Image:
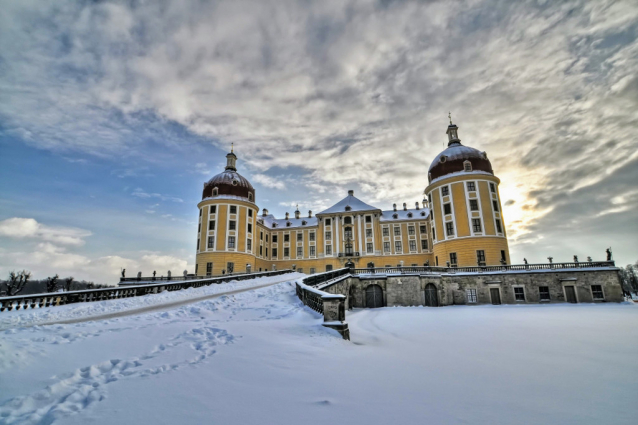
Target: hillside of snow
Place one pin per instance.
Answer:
(260, 357)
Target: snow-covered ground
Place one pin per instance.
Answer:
(260, 357)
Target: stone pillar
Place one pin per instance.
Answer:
(334, 314)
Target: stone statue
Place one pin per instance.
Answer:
(503, 262)
(525, 260)
(427, 263)
(575, 258)
(550, 259)
(608, 251)
(123, 272)
(185, 273)
(139, 275)
(169, 274)
(589, 259)
(154, 272)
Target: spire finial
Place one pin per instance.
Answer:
(232, 145)
(450, 117)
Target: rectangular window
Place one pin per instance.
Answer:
(492, 188)
(233, 209)
(433, 234)
(274, 253)
(597, 292)
(266, 252)
(424, 244)
(198, 244)
(480, 257)
(230, 267)
(274, 238)
(211, 225)
(312, 236)
(447, 209)
(411, 231)
(423, 229)
(368, 219)
(329, 267)
(209, 269)
(543, 292)
(397, 246)
(249, 245)
(261, 236)
(445, 191)
(250, 230)
(453, 262)
(495, 205)
(412, 245)
(449, 228)
(386, 231)
(266, 237)
(369, 248)
(499, 229)
(299, 251)
(211, 241)
(368, 233)
(386, 246)
(299, 236)
(261, 250)
(250, 213)
(471, 187)
(430, 198)
(476, 225)
(200, 213)
(327, 222)
(213, 209)
(397, 231)
(232, 225)
(474, 205)
(299, 269)
(312, 270)
(286, 238)
(503, 255)
(328, 249)
(231, 242)
(286, 252)
(312, 250)
(519, 294)
(328, 236)
(471, 296)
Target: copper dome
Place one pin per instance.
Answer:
(453, 159)
(229, 182)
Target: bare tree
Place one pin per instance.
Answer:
(67, 283)
(52, 283)
(17, 282)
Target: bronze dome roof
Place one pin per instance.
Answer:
(229, 182)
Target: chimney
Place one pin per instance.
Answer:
(287, 215)
(416, 204)
(394, 207)
(265, 213)
(405, 207)
(309, 214)
(351, 192)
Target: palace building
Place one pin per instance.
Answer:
(459, 223)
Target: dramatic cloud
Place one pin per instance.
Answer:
(29, 228)
(337, 93)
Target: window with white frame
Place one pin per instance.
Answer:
(476, 225)
(209, 269)
(312, 250)
(412, 245)
(231, 242)
(411, 231)
(447, 209)
(424, 244)
(471, 187)
(467, 165)
(597, 292)
(397, 231)
(423, 229)
(232, 225)
(445, 191)
(474, 205)
(519, 294)
(311, 236)
(449, 228)
(369, 248)
(233, 209)
(543, 293)
(249, 245)
(328, 249)
(397, 246)
(211, 225)
(386, 231)
(299, 251)
(211, 241)
(386, 246)
(328, 236)
(299, 236)
(368, 233)
(471, 296)
(499, 228)
(453, 261)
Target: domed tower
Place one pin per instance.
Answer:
(467, 219)
(227, 220)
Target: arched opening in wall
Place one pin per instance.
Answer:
(374, 296)
(431, 296)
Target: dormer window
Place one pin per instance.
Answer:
(288, 224)
(235, 182)
(348, 208)
(395, 216)
(303, 223)
(274, 225)
(410, 215)
(467, 166)
(215, 191)
(423, 213)
(443, 159)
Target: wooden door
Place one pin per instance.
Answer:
(496, 296)
(431, 296)
(374, 296)
(570, 294)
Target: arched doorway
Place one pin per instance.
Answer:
(374, 296)
(431, 296)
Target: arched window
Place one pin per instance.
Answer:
(215, 191)
(467, 165)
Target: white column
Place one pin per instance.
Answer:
(336, 235)
(361, 250)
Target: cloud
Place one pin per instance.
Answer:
(138, 192)
(267, 181)
(29, 228)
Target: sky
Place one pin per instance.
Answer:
(114, 113)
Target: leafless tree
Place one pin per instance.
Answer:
(52, 283)
(68, 282)
(17, 282)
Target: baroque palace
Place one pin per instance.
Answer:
(459, 223)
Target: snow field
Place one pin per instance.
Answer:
(260, 357)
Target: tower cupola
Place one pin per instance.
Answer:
(452, 133)
(231, 159)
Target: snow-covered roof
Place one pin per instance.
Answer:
(282, 223)
(233, 197)
(350, 201)
(461, 173)
(413, 214)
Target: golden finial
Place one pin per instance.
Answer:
(231, 147)
(450, 117)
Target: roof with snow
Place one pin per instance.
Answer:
(413, 214)
(275, 223)
(349, 203)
